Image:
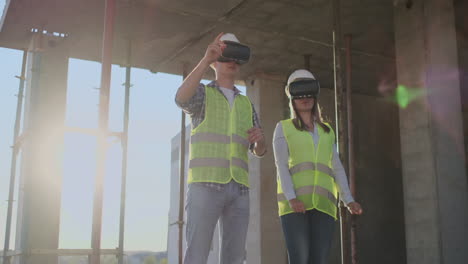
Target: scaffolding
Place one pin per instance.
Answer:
(102, 134)
(14, 157)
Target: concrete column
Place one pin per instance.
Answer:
(42, 153)
(265, 243)
(432, 144)
(461, 24)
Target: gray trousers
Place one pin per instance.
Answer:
(205, 206)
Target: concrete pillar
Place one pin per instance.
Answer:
(432, 144)
(461, 24)
(265, 243)
(42, 153)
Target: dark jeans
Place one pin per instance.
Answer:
(308, 236)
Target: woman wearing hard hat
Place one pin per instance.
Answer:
(310, 174)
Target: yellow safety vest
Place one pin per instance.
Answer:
(219, 145)
(311, 170)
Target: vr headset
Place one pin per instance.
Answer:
(305, 88)
(235, 52)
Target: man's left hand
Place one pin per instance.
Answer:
(255, 135)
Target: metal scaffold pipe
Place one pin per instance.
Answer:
(340, 115)
(182, 177)
(351, 166)
(106, 67)
(124, 140)
(14, 157)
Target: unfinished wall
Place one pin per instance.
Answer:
(380, 230)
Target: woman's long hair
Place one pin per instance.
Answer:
(316, 114)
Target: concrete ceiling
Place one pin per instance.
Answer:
(164, 34)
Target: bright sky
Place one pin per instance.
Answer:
(154, 120)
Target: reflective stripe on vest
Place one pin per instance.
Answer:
(311, 166)
(219, 138)
(218, 163)
(219, 144)
(310, 189)
(240, 140)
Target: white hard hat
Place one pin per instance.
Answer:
(229, 37)
(300, 74)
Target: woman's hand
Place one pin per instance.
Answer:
(297, 205)
(354, 208)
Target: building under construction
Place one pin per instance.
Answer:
(395, 79)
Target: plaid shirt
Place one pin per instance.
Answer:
(195, 107)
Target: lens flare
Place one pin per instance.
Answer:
(405, 95)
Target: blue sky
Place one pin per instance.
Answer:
(154, 120)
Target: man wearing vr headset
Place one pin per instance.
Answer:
(310, 174)
(225, 127)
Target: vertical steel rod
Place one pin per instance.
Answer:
(352, 168)
(124, 139)
(182, 177)
(339, 119)
(14, 156)
(106, 69)
(342, 210)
